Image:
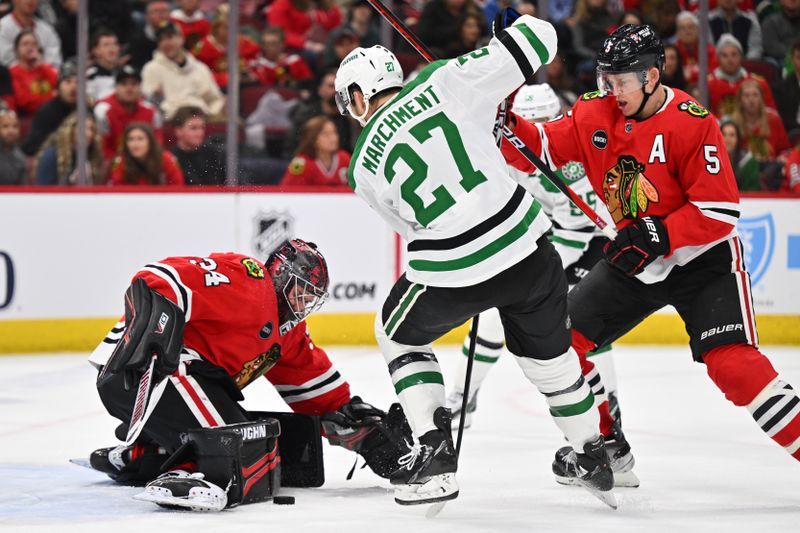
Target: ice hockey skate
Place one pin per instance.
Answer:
(590, 469)
(454, 402)
(620, 457)
(427, 473)
(181, 490)
(134, 465)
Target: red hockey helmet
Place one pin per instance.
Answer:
(300, 275)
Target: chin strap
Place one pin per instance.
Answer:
(360, 118)
(645, 99)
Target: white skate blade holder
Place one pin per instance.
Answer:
(621, 479)
(202, 504)
(437, 490)
(203, 497)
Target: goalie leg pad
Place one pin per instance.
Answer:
(153, 325)
(241, 458)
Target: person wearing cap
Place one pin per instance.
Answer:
(105, 52)
(276, 67)
(175, 78)
(724, 81)
(123, 106)
(23, 17)
(52, 113)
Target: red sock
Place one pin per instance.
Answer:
(582, 345)
(748, 379)
(739, 370)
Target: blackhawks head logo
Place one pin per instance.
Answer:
(592, 95)
(253, 269)
(693, 108)
(627, 190)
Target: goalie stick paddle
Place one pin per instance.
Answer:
(515, 141)
(147, 396)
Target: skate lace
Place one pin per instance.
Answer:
(408, 460)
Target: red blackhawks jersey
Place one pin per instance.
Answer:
(231, 314)
(215, 56)
(305, 170)
(672, 165)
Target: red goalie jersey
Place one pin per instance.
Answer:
(674, 168)
(231, 314)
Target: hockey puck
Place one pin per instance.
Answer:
(283, 500)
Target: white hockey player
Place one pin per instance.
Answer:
(426, 161)
(576, 239)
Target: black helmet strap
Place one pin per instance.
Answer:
(647, 97)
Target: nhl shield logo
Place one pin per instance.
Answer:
(270, 230)
(758, 240)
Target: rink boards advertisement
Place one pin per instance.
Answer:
(66, 258)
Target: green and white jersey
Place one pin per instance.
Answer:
(428, 164)
(572, 230)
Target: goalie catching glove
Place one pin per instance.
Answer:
(638, 245)
(380, 438)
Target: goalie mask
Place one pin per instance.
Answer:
(536, 103)
(300, 275)
(370, 70)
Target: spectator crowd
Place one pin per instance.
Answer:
(158, 77)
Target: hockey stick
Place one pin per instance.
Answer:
(473, 340)
(436, 508)
(515, 141)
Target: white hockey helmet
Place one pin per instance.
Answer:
(373, 69)
(536, 103)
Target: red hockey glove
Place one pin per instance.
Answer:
(638, 245)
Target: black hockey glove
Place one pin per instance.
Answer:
(351, 423)
(381, 438)
(638, 245)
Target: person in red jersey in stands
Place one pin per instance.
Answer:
(318, 161)
(143, 161)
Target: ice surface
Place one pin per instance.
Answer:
(704, 464)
